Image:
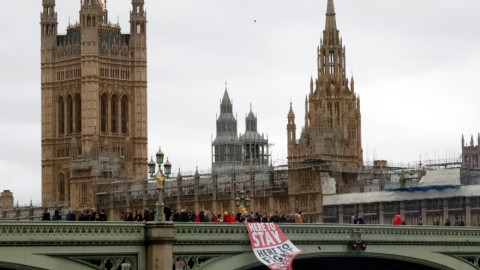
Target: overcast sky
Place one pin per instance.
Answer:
(415, 63)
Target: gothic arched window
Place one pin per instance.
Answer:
(124, 114)
(61, 187)
(61, 117)
(104, 113)
(69, 115)
(84, 194)
(78, 113)
(332, 62)
(114, 114)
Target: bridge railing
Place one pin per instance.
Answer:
(66, 233)
(125, 233)
(308, 234)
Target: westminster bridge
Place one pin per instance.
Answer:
(107, 245)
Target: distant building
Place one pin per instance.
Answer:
(230, 150)
(470, 162)
(6, 200)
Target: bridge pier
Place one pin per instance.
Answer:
(159, 237)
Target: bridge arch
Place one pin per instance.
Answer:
(347, 260)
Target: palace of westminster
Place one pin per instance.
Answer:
(94, 141)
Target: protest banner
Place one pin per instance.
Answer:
(271, 246)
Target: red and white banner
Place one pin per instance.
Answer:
(271, 246)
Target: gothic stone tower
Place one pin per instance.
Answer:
(254, 144)
(332, 127)
(332, 130)
(226, 148)
(94, 103)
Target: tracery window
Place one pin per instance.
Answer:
(61, 117)
(124, 114)
(69, 115)
(104, 113)
(114, 114)
(78, 113)
(332, 62)
(61, 186)
(84, 194)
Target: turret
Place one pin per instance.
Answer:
(48, 28)
(251, 122)
(291, 128)
(138, 18)
(92, 13)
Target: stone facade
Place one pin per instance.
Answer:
(94, 103)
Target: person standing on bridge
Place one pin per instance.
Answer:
(46, 215)
(397, 220)
(56, 216)
(70, 216)
(447, 223)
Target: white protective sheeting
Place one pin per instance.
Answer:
(328, 184)
(441, 177)
(432, 178)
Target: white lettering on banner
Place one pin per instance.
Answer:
(271, 246)
(266, 238)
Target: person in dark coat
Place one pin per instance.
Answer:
(168, 212)
(56, 216)
(46, 215)
(70, 216)
(447, 223)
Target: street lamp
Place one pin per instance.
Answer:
(160, 178)
(242, 201)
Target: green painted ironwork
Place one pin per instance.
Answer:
(105, 245)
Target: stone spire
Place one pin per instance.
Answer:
(331, 22)
(251, 121)
(291, 128)
(226, 105)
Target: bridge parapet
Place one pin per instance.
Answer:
(153, 245)
(236, 233)
(212, 246)
(66, 233)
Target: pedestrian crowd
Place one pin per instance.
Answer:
(85, 215)
(397, 220)
(230, 217)
(177, 216)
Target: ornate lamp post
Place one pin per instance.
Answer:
(242, 201)
(160, 178)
